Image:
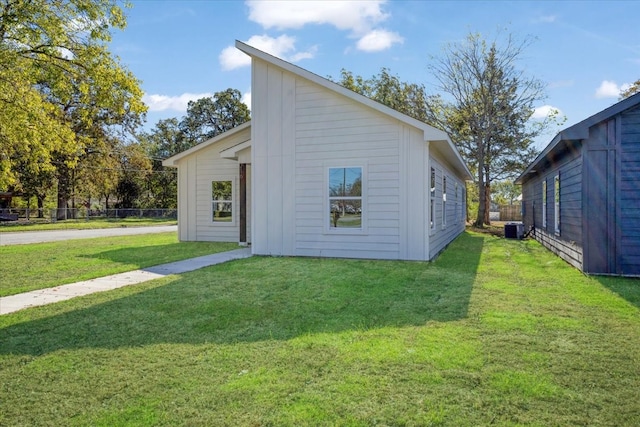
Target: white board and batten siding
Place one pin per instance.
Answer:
(196, 172)
(301, 129)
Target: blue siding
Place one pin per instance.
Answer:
(569, 167)
(629, 256)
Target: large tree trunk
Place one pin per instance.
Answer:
(487, 201)
(64, 193)
(40, 205)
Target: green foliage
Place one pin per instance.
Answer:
(388, 89)
(65, 99)
(505, 192)
(208, 117)
(631, 90)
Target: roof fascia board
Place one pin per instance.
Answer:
(232, 152)
(173, 160)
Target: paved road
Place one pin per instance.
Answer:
(21, 238)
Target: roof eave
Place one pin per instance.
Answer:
(430, 133)
(172, 161)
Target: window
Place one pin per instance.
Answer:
(556, 203)
(463, 204)
(444, 201)
(544, 203)
(222, 201)
(433, 199)
(457, 206)
(345, 198)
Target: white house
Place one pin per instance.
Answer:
(322, 171)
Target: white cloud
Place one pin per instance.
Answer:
(378, 40)
(231, 58)
(175, 103)
(544, 111)
(360, 18)
(610, 89)
(246, 98)
(357, 16)
(282, 47)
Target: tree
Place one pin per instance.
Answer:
(208, 117)
(631, 90)
(64, 97)
(388, 89)
(164, 140)
(135, 168)
(489, 117)
(505, 192)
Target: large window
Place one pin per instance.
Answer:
(222, 201)
(345, 198)
(556, 203)
(544, 203)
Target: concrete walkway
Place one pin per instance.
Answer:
(14, 303)
(26, 237)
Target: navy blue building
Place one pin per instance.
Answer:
(581, 195)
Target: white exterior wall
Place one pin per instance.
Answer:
(444, 232)
(195, 175)
(272, 151)
(299, 130)
(333, 131)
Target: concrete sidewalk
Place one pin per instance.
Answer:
(17, 302)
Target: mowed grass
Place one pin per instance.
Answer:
(80, 224)
(42, 265)
(494, 332)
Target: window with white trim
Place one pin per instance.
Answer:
(556, 203)
(222, 201)
(444, 201)
(457, 207)
(544, 203)
(432, 204)
(345, 198)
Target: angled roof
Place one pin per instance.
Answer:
(444, 144)
(580, 131)
(173, 160)
(430, 133)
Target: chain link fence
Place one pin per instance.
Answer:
(53, 215)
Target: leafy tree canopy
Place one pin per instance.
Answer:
(388, 89)
(631, 90)
(208, 117)
(488, 108)
(61, 91)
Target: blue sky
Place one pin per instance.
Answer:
(585, 51)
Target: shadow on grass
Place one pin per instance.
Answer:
(145, 256)
(264, 298)
(626, 287)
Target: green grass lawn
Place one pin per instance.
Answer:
(44, 265)
(73, 224)
(494, 332)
